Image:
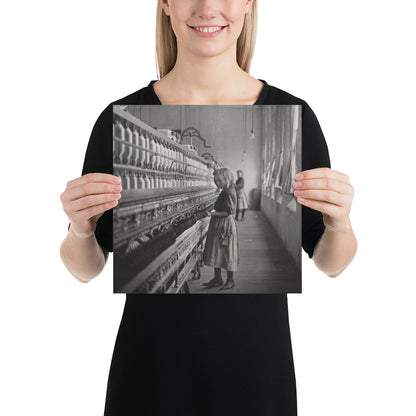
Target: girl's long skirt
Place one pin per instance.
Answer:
(217, 255)
(242, 202)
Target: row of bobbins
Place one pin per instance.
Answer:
(134, 146)
(146, 161)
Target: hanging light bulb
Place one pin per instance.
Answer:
(252, 123)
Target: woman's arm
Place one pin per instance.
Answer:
(83, 256)
(84, 200)
(335, 250)
(331, 193)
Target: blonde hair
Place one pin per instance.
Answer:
(225, 174)
(166, 47)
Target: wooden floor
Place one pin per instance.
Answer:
(264, 267)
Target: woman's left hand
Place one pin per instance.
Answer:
(327, 191)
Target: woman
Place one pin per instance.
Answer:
(221, 244)
(205, 354)
(242, 203)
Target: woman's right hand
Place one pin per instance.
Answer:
(86, 198)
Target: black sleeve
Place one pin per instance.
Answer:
(99, 159)
(314, 155)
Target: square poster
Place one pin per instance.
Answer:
(207, 202)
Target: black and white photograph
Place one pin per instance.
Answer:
(207, 203)
(343, 346)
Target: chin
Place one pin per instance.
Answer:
(211, 51)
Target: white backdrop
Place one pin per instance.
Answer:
(63, 62)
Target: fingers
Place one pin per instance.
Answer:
(93, 177)
(329, 184)
(82, 217)
(89, 188)
(91, 200)
(333, 211)
(323, 173)
(322, 195)
(88, 197)
(327, 191)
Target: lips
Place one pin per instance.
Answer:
(208, 31)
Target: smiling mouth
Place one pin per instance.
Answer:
(208, 29)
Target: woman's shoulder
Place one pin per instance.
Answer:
(275, 95)
(145, 95)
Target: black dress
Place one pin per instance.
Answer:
(204, 354)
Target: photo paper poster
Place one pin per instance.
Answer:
(207, 202)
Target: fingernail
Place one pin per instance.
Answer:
(298, 193)
(299, 176)
(116, 179)
(297, 184)
(301, 200)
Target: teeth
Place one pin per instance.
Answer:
(208, 29)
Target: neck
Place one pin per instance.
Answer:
(205, 79)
